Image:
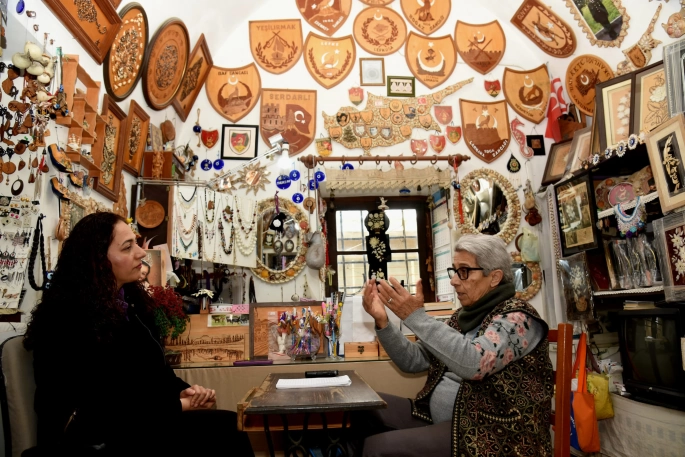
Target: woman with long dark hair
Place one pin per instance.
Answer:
(102, 381)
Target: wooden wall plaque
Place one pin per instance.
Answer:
(292, 113)
(426, 16)
(199, 64)
(137, 126)
(94, 23)
(527, 92)
(325, 15)
(430, 59)
(329, 60)
(125, 60)
(486, 128)
(108, 149)
(582, 75)
(481, 46)
(233, 92)
(379, 31)
(545, 28)
(166, 62)
(276, 45)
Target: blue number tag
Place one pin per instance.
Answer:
(283, 182)
(298, 198)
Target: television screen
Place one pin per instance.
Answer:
(651, 350)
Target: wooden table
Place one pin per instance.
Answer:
(329, 402)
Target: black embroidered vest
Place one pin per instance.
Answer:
(504, 414)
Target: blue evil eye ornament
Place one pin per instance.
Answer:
(197, 128)
(348, 166)
(405, 191)
(320, 176)
(206, 164)
(218, 164)
(294, 175)
(20, 6)
(283, 182)
(298, 198)
(313, 184)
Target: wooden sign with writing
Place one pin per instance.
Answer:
(527, 92)
(233, 92)
(486, 128)
(292, 113)
(329, 60)
(426, 15)
(431, 60)
(199, 64)
(481, 46)
(379, 31)
(276, 45)
(544, 28)
(582, 75)
(327, 16)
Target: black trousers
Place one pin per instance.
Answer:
(394, 432)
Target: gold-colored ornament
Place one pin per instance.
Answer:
(253, 177)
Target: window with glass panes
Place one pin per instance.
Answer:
(347, 242)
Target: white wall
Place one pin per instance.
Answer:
(225, 25)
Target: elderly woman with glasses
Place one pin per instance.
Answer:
(489, 385)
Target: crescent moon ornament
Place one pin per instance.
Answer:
(527, 78)
(323, 57)
(480, 40)
(233, 81)
(585, 80)
(375, 16)
(434, 68)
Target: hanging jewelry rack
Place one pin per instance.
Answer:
(311, 161)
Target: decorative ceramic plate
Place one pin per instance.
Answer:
(124, 63)
(150, 214)
(166, 62)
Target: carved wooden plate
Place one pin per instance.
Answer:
(379, 31)
(199, 64)
(166, 62)
(124, 63)
(150, 214)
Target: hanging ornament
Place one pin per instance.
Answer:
(520, 138)
(294, 175)
(405, 191)
(324, 146)
(514, 166)
(309, 204)
(283, 182)
(453, 133)
(493, 87)
(298, 198)
(356, 95)
(218, 164)
(197, 129)
(209, 138)
(313, 184)
(443, 114)
(437, 143)
(206, 164)
(348, 166)
(319, 176)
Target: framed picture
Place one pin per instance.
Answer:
(94, 24)
(155, 276)
(239, 142)
(580, 149)
(674, 64)
(557, 161)
(665, 146)
(576, 214)
(669, 233)
(372, 71)
(137, 126)
(575, 283)
(108, 149)
(613, 110)
(605, 25)
(156, 140)
(264, 333)
(199, 64)
(648, 103)
(401, 86)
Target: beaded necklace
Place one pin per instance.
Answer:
(209, 206)
(629, 226)
(246, 243)
(185, 246)
(182, 229)
(185, 203)
(229, 250)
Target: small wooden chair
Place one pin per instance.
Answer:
(561, 418)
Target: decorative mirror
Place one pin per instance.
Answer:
(527, 277)
(489, 204)
(281, 244)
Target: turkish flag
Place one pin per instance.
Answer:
(556, 107)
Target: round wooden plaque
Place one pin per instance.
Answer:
(150, 215)
(124, 63)
(166, 62)
(380, 31)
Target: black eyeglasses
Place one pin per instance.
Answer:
(462, 272)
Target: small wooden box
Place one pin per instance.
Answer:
(381, 350)
(362, 350)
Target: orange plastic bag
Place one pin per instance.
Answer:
(584, 404)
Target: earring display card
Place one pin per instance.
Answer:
(537, 143)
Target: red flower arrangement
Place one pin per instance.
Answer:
(167, 308)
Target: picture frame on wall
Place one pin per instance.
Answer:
(239, 142)
(136, 131)
(557, 162)
(669, 234)
(649, 100)
(576, 215)
(199, 64)
(372, 71)
(401, 86)
(580, 149)
(612, 110)
(674, 54)
(665, 147)
(575, 282)
(108, 149)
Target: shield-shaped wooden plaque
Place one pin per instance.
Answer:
(233, 92)
(582, 75)
(426, 15)
(379, 31)
(486, 128)
(199, 64)
(544, 28)
(431, 60)
(527, 92)
(443, 114)
(327, 16)
(329, 60)
(453, 134)
(276, 45)
(481, 46)
(292, 113)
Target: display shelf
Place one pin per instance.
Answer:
(79, 102)
(629, 292)
(631, 204)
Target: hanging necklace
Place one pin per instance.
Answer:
(229, 250)
(185, 246)
(240, 220)
(630, 225)
(187, 204)
(182, 229)
(246, 243)
(209, 206)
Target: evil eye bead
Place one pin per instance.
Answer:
(607, 153)
(298, 198)
(348, 166)
(405, 191)
(621, 148)
(313, 184)
(218, 164)
(294, 175)
(595, 159)
(320, 176)
(633, 140)
(197, 129)
(206, 165)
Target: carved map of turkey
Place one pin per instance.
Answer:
(386, 121)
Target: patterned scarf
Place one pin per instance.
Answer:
(470, 317)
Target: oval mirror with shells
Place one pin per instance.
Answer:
(527, 277)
